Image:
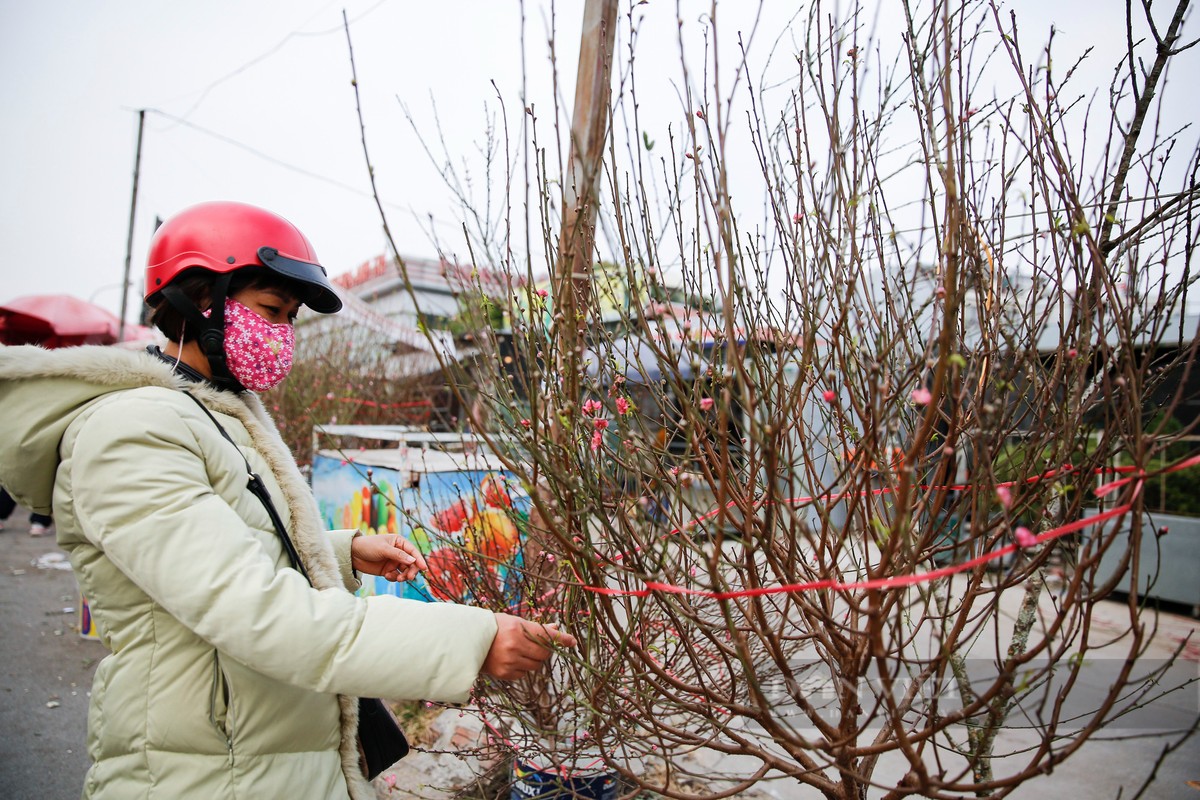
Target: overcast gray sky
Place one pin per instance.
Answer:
(252, 101)
(264, 92)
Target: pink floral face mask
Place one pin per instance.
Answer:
(257, 353)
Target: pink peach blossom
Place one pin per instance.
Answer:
(1025, 537)
(622, 406)
(922, 396)
(1004, 495)
(706, 403)
(830, 395)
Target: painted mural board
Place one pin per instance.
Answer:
(87, 623)
(464, 512)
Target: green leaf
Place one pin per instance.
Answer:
(881, 529)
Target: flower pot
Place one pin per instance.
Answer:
(528, 781)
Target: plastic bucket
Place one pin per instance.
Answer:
(528, 781)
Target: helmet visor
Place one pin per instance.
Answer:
(319, 294)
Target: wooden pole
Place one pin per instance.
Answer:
(137, 168)
(572, 277)
(589, 130)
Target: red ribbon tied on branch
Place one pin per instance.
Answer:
(1135, 475)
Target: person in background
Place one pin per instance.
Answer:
(231, 675)
(39, 524)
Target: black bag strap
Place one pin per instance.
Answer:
(259, 490)
(381, 739)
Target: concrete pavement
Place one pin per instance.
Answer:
(45, 667)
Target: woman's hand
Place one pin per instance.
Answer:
(388, 555)
(521, 646)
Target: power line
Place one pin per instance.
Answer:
(265, 156)
(204, 92)
(276, 161)
(339, 28)
(409, 209)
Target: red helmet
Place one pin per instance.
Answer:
(224, 236)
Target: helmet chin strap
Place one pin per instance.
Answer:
(211, 329)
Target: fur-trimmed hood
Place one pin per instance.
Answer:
(41, 393)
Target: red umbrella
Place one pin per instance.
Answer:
(56, 320)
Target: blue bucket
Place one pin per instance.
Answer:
(529, 781)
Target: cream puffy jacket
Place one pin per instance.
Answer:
(229, 675)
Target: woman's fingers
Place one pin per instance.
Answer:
(520, 647)
(410, 553)
(560, 638)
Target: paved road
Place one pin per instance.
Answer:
(45, 670)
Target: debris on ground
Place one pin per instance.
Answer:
(52, 560)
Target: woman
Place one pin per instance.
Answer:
(230, 674)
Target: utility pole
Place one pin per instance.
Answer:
(572, 277)
(589, 129)
(137, 168)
